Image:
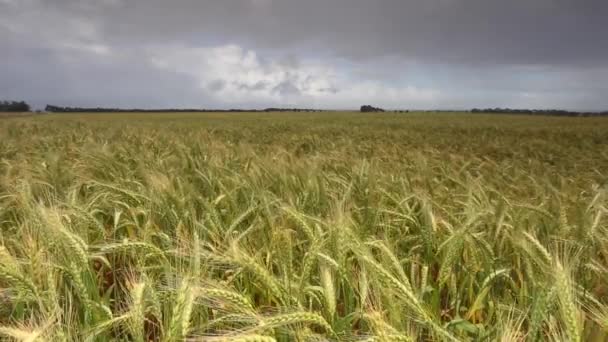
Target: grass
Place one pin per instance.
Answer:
(303, 227)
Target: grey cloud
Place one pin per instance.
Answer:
(287, 88)
(260, 85)
(44, 77)
(328, 90)
(216, 85)
(459, 31)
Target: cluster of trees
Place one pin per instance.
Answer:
(370, 109)
(59, 109)
(14, 106)
(553, 112)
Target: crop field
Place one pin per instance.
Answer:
(303, 227)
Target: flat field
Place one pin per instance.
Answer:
(303, 227)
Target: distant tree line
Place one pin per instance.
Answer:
(290, 110)
(551, 112)
(59, 109)
(22, 106)
(14, 106)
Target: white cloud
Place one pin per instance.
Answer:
(98, 49)
(377, 93)
(230, 72)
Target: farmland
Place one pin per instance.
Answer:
(303, 227)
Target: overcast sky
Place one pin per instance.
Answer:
(306, 53)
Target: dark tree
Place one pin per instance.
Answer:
(14, 106)
(370, 109)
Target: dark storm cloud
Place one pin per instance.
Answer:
(459, 31)
(431, 53)
(43, 76)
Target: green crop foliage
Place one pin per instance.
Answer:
(303, 227)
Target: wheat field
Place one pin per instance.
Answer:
(303, 227)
